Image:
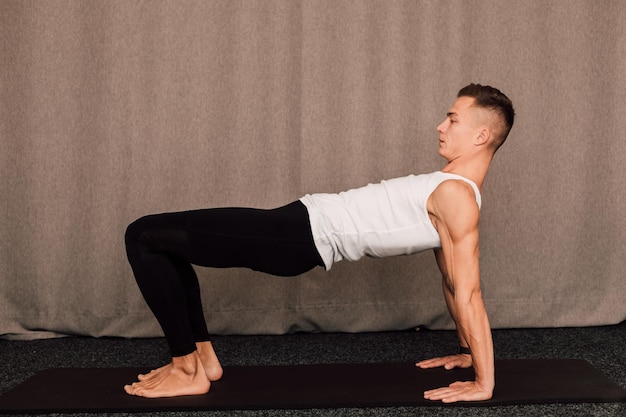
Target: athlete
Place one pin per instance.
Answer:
(438, 211)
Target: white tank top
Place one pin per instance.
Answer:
(378, 220)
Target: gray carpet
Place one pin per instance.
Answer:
(603, 347)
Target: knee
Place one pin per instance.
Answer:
(136, 230)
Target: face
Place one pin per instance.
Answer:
(459, 129)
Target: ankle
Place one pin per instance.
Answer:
(188, 364)
(202, 347)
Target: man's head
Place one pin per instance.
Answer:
(496, 110)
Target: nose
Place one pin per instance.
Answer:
(441, 127)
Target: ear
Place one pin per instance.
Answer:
(484, 134)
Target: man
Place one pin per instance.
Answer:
(437, 211)
(468, 139)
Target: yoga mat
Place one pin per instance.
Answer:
(310, 386)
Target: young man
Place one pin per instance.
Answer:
(438, 211)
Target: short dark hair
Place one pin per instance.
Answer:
(493, 99)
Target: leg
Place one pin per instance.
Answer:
(168, 283)
(210, 362)
(277, 242)
(161, 250)
(170, 287)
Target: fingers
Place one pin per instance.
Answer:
(445, 394)
(431, 363)
(435, 362)
(458, 391)
(448, 362)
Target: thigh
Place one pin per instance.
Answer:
(276, 241)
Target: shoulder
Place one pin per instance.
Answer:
(453, 203)
(453, 191)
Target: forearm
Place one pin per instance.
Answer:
(452, 309)
(473, 328)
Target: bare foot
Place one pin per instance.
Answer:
(153, 373)
(185, 375)
(210, 362)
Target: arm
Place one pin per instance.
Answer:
(455, 215)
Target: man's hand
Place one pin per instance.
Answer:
(457, 391)
(448, 362)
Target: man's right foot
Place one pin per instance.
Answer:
(185, 375)
(210, 362)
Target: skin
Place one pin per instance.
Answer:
(185, 375)
(464, 140)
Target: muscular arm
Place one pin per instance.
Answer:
(455, 214)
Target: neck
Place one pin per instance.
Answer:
(474, 169)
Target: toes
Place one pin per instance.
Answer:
(150, 374)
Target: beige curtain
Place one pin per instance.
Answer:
(110, 110)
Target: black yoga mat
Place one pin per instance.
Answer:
(310, 386)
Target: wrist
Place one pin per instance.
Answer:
(464, 350)
(486, 386)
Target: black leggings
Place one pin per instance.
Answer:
(161, 249)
